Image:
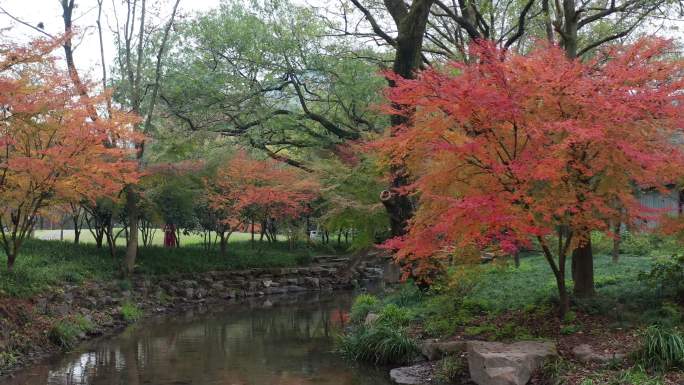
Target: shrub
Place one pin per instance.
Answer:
(661, 348)
(379, 345)
(637, 244)
(667, 277)
(394, 316)
(130, 312)
(408, 294)
(363, 304)
(66, 332)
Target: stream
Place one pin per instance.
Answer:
(280, 341)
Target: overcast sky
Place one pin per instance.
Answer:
(87, 54)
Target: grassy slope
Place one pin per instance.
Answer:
(42, 264)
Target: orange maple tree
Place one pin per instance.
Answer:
(512, 149)
(51, 149)
(247, 189)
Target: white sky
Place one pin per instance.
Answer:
(87, 53)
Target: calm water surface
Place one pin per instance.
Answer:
(287, 343)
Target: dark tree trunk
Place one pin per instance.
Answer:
(11, 257)
(616, 243)
(99, 236)
(411, 24)
(583, 269)
(132, 245)
(222, 244)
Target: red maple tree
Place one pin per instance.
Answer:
(248, 190)
(512, 149)
(51, 149)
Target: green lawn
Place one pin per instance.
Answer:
(42, 265)
(506, 287)
(158, 237)
(498, 288)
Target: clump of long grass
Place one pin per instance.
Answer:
(379, 344)
(661, 348)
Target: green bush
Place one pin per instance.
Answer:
(661, 348)
(407, 294)
(363, 304)
(65, 333)
(380, 345)
(394, 316)
(637, 244)
(130, 312)
(667, 277)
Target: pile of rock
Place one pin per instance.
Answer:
(489, 363)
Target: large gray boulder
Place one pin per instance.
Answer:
(495, 363)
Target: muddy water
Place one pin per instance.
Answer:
(286, 342)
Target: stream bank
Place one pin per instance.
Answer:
(52, 322)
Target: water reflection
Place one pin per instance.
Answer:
(285, 344)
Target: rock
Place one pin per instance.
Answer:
(435, 349)
(59, 309)
(201, 293)
(585, 353)
(267, 283)
(293, 288)
(412, 375)
(495, 363)
(90, 302)
(188, 293)
(312, 282)
(370, 319)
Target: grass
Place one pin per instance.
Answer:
(66, 332)
(157, 239)
(662, 348)
(505, 287)
(130, 312)
(379, 344)
(42, 265)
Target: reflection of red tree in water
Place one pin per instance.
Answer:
(170, 239)
(339, 318)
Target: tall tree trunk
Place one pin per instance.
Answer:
(617, 239)
(11, 257)
(583, 269)
(223, 244)
(132, 245)
(411, 23)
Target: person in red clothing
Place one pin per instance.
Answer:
(170, 235)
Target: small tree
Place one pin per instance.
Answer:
(52, 150)
(513, 148)
(246, 189)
